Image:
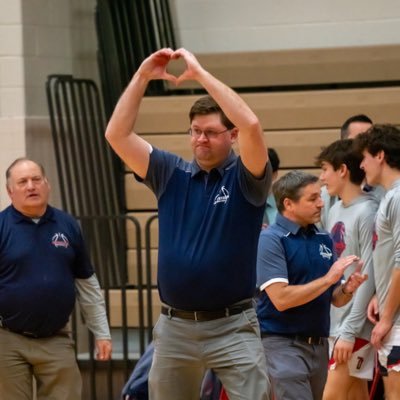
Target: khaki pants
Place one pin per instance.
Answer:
(51, 361)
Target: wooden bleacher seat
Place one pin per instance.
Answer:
(319, 109)
(132, 265)
(132, 303)
(299, 67)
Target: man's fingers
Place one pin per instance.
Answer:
(170, 77)
(359, 266)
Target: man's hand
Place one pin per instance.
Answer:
(379, 332)
(355, 279)
(342, 351)
(103, 349)
(193, 67)
(155, 66)
(337, 270)
(343, 294)
(373, 310)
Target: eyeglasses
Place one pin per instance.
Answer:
(208, 133)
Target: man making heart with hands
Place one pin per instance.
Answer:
(210, 215)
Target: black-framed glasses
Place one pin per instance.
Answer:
(208, 133)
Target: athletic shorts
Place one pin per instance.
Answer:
(361, 363)
(389, 353)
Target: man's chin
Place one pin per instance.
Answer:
(370, 182)
(317, 218)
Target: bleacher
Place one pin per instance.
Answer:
(301, 98)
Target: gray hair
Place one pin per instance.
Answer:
(20, 160)
(290, 186)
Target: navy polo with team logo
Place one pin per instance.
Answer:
(294, 255)
(39, 262)
(209, 225)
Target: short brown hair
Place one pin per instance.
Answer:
(342, 152)
(290, 186)
(207, 105)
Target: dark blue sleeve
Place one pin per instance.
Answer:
(271, 260)
(161, 167)
(255, 190)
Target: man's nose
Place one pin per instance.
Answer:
(203, 137)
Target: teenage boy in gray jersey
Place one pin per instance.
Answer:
(350, 222)
(352, 127)
(380, 147)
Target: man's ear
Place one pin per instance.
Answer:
(287, 204)
(380, 155)
(234, 134)
(47, 183)
(8, 190)
(343, 170)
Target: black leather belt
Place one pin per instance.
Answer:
(206, 315)
(27, 334)
(33, 335)
(315, 340)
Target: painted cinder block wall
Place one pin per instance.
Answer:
(38, 38)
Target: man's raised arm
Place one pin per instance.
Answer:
(132, 149)
(251, 141)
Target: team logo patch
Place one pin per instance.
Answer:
(60, 240)
(222, 196)
(325, 251)
(338, 234)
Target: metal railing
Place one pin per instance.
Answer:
(88, 171)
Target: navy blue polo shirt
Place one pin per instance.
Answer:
(208, 230)
(291, 254)
(38, 266)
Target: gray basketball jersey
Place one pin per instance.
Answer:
(387, 248)
(351, 228)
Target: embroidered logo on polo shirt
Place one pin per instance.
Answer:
(325, 251)
(222, 196)
(59, 240)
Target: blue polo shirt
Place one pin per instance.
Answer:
(292, 254)
(208, 230)
(38, 266)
